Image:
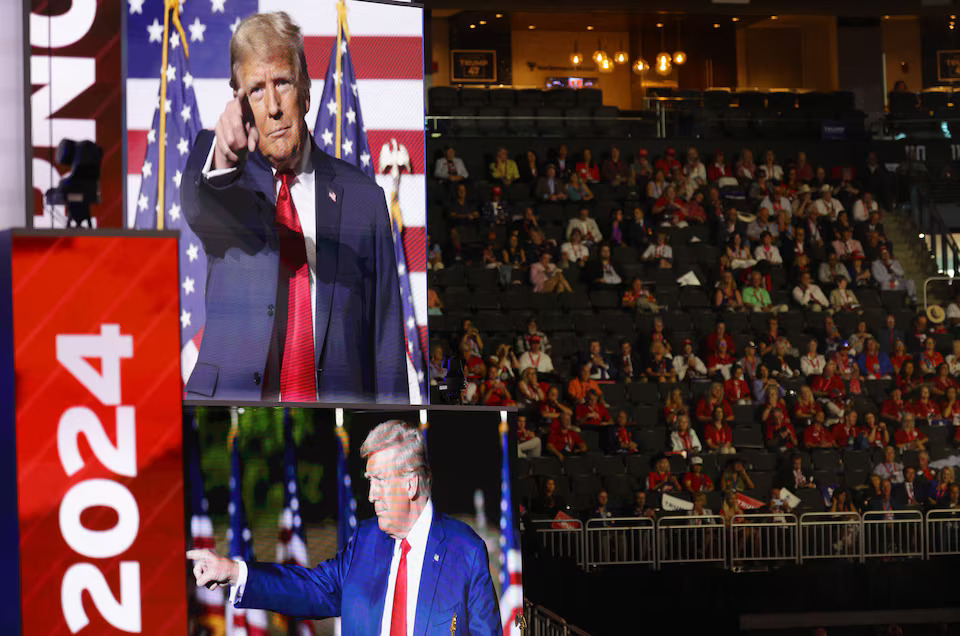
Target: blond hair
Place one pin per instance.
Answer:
(411, 451)
(265, 35)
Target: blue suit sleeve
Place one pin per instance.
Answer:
(390, 358)
(483, 610)
(295, 590)
(862, 363)
(886, 367)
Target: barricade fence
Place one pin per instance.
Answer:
(750, 539)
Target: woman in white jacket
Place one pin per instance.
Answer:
(685, 438)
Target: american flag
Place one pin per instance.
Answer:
(385, 53)
(339, 131)
(240, 622)
(209, 602)
(347, 517)
(511, 579)
(182, 125)
(292, 543)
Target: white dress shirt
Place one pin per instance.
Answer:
(303, 193)
(417, 538)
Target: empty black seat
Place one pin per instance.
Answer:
(442, 99)
(503, 97)
(545, 466)
(474, 97)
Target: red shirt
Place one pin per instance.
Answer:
(667, 164)
(816, 436)
(902, 437)
(930, 361)
(715, 171)
(716, 360)
(841, 434)
(474, 368)
(588, 174)
(712, 342)
(705, 408)
(548, 409)
(564, 441)
(897, 361)
(833, 387)
(721, 436)
(943, 384)
(926, 411)
(735, 390)
(654, 479)
(497, 397)
(583, 410)
(806, 411)
(623, 436)
(698, 482)
(893, 409)
(772, 431)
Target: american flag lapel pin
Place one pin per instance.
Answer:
(333, 195)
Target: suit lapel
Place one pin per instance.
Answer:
(429, 574)
(383, 557)
(329, 203)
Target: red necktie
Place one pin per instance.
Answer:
(298, 379)
(398, 622)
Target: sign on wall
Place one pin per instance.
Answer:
(948, 66)
(473, 66)
(98, 436)
(75, 71)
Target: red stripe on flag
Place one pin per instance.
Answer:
(412, 139)
(374, 57)
(136, 150)
(415, 248)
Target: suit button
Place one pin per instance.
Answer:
(256, 378)
(270, 310)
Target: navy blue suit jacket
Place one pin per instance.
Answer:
(455, 580)
(358, 335)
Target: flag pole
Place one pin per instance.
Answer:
(168, 6)
(341, 26)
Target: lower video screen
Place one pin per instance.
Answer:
(303, 486)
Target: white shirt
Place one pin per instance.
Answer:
(417, 538)
(831, 209)
(304, 201)
(540, 361)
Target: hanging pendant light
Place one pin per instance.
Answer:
(640, 66)
(599, 55)
(621, 57)
(605, 65)
(679, 56)
(664, 61)
(576, 58)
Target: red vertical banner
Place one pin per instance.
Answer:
(98, 411)
(76, 74)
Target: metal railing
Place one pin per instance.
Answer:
(691, 539)
(894, 533)
(922, 198)
(542, 622)
(763, 537)
(751, 539)
(560, 538)
(620, 540)
(943, 532)
(829, 535)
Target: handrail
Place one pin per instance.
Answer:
(936, 233)
(756, 537)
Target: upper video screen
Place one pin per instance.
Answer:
(286, 144)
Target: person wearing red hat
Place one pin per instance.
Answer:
(640, 170)
(668, 161)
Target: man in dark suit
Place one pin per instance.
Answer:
(412, 567)
(302, 297)
(889, 334)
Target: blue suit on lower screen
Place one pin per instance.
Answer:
(359, 344)
(455, 580)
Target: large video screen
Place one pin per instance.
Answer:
(286, 143)
(290, 486)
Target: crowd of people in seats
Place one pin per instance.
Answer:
(801, 255)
